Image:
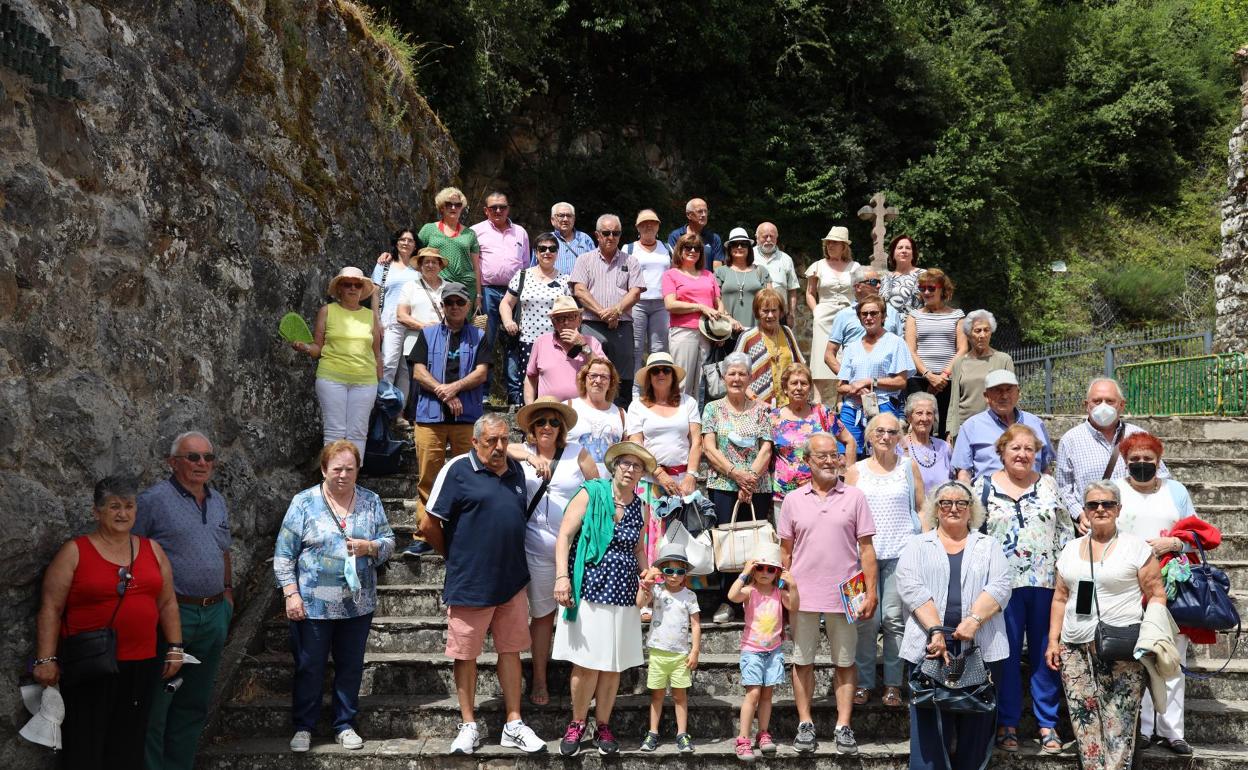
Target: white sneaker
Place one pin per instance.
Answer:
(302, 741)
(522, 738)
(723, 614)
(468, 740)
(349, 739)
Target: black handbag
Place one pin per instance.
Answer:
(1204, 600)
(1112, 642)
(92, 654)
(962, 686)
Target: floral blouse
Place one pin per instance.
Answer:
(1032, 530)
(789, 451)
(738, 436)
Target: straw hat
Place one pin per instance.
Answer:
(642, 378)
(646, 215)
(716, 330)
(563, 304)
(622, 448)
(738, 235)
(430, 251)
(767, 553)
(356, 274)
(524, 417)
(838, 234)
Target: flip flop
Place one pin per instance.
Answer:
(1008, 740)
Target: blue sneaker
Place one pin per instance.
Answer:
(416, 549)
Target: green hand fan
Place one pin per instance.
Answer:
(294, 329)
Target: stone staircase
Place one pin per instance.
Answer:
(409, 711)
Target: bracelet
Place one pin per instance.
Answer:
(976, 618)
(49, 659)
(563, 577)
(176, 646)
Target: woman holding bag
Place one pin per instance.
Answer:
(736, 438)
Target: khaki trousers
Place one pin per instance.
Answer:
(432, 440)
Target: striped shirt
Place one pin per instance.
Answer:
(936, 337)
(608, 281)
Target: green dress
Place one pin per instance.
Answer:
(458, 252)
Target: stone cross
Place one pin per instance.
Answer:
(881, 215)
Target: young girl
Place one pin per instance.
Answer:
(762, 661)
(675, 636)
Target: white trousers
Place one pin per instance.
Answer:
(345, 410)
(393, 365)
(1168, 721)
(689, 349)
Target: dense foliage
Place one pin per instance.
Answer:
(1010, 133)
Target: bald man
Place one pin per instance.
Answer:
(696, 216)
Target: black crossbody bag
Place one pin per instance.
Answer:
(1112, 642)
(92, 654)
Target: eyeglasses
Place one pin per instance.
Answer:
(949, 505)
(564, 216)
(452, 205)
(547, 249)
(610, 233)
(822, 455)
(871, 281)
(498, 208)
(628, 465)
(694, 249)
(662, 370)
(677, 571)
(1107, 505)
(544, 422)
(454, 302)
(194, 457)
(766, 568)
(597, 376)
(407, 239)
(869, 314)
(123, 580)
(886, 432)
(351, 284)
(929, 287)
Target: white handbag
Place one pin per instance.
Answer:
(697, 549)
(734, 542)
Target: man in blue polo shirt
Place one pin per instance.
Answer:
(482, 493)
(697, 214)
(189, 520)
(845, 325)
(975, 453)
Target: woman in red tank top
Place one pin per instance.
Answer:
(109, 578)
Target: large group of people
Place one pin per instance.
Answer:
(890, 453)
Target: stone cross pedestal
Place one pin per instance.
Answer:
(882, 215)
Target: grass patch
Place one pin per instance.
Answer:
(399, 54)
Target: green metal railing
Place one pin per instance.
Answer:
(1213, 384)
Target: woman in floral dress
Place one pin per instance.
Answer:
(792, 426)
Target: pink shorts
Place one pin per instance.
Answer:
(508, 622)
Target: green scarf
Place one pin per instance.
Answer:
(597, 529)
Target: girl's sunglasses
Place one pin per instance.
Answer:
(766, 568)
(676, 571)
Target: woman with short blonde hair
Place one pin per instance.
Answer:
(455, 241)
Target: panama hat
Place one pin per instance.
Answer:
(356, 274)
(524, 417)
(621, 448)
(839, 234)
(716, 330)
(738, 235)
(767, 553)
(642, 378)
(563, 304)
(430, 251)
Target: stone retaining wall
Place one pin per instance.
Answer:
(1231, 283)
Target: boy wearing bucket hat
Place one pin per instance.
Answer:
(675, 638)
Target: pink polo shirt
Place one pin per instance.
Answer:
(555, 372)
(703, 290)
(824, 532)
(503, 252)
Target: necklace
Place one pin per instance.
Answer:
(914, 445)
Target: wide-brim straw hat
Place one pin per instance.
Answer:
(524, 417)
(623, 448)
(642, 377)
(838, 235)
(354, 273)
(430, 251)
(716, 330)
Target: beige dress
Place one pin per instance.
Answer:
(835, 293)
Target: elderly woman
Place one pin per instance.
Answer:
(690, 292)
(598, 557)
(933, 455)
(534, 290)
(901, 284)
(347, 342)
(107, 578)
(966, 383)
(1026, 517)
(650, 317)
(893, 487)
(1151, 507)
(792, 426)
(829, 288)
(392, 273)
(875, 367)
(771, 348)
(554, 471)
(1103, 696)
(420, 304)
(599, 421)
(332, 539)
(936, 341)
(736, 438)
(455, 242)
(952, 577)
(740, 280)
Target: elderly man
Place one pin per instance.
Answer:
(504, 251)
(696, 216)
(1083, 454)
(189, 520)
(572, 242)
(450, 366)
(826, 531)
(557, 356)
(845, 325)
(779, 266)
(975, 454)
(482, 493)
(607, 282)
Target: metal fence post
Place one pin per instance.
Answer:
(1048, 385)
(1109, 361)
(1208, 341)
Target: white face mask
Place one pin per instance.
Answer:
(1103, 415)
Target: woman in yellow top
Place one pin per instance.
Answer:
(347, 340)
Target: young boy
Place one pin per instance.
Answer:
(672, 647)
(762, 660)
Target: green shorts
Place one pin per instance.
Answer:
(668, 668)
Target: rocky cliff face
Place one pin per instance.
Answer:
(1231, 283)
(213, 166)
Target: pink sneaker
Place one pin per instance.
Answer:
(745, 752)
(764, 743)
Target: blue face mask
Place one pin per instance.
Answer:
(351, 575)
(742, 441)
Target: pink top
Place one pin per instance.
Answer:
(503, 252)
(824, 533)
(555, 372)
(704, 290)
(764, 620)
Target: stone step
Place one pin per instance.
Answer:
(1203, 448)
(429, 569)
(1220, 493)
(1165, 427)
(408, 600)
(1229, 519)
(1208, 469)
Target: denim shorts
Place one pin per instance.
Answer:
(762, 668)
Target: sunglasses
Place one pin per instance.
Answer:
(677, 571)
(871, 281)
(929, 287)
(766, 569)
(610, 233)
(454, 302)
(949, 505)
(663, 370)
(452, 205)
(1107, 505)
(543, 422)
(194, 457)
(498, 208)
(350, 284)
(694, 249)
(548, 249)
(869, 314)
(123, 580)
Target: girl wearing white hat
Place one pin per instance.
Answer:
(829, 288)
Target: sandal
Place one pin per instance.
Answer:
(539, 697)
(892, 697)
(1050, 741)
(861, 696)
(1007, 740)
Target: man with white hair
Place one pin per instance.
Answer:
(696, 216)
(572, 242)
(607, 283)
(846, 327)
(779, 266)
(189, 520)
(1084, 452)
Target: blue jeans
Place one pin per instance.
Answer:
(891, 617)
(1028, 613)
(972, 734)
(513, 373)
(311, 642)
(856, 422)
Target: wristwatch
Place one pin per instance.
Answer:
(975, 618)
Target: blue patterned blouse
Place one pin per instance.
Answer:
(312, 552)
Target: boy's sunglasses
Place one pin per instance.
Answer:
(766, 568)
(677, 571)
